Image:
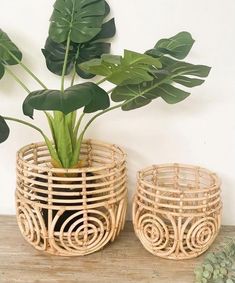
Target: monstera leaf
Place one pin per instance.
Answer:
(79, 52)
(177, 46)
(73, 98)
(4, 130)
(173, 71)
(135, 96)
(133, 68)
(81, 20)
(7, 49)
(99, 101)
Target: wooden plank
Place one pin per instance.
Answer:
(124, 261)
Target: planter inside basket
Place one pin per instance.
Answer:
(71, 211)
(67, 196)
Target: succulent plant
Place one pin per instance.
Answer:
(218, 266)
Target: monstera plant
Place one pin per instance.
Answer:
(78, 46)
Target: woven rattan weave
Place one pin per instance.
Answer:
(177, 210)
(71, 212)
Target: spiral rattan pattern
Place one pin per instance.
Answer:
(177, 210)
(71, 212)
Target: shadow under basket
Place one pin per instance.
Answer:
(71, 212)
(177, 210)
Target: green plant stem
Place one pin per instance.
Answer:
(65, 62)
(27, 69)
(20, 82)
(98, 115)
(81, 136)
(25, 123)
(73, 76)
(17, 79)
(51, 149)
(79, 123)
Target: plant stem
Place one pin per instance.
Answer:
(74, 76)
(96, 116)
(27, 69)
(65, 62)
(25, 123)
(17, 79)
(51, 149)
(78, 123)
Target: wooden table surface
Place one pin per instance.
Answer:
(124, 261)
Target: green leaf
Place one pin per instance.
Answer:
(206, 274)
(209, 267)
(64, 143)
(6, 46)
(4, 130)
(108, 30)
(99, 101)
(172, 94)
(2, 70)
(95, 48)
(54, 52)
(136, 96)
(183, 69)
(81, 19)
(133, 68)
(188, 82)
(72, 99)
(139, 95)
(53, 152)
(177, 46)
(7, 49)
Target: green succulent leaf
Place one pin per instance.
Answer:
(218, 265)
(177, 46)
(133, 68)
(139, 95)
(73, 98)
(7, 49)
(4, 130)
(82, 20)
(54, 52)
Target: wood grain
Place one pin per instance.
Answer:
(124, 261)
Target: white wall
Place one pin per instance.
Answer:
(199, 130)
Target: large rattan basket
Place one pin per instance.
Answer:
(71, 212)
(177, 210)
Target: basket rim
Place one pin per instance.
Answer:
(213, 175)
(110, 146)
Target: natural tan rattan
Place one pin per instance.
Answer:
(71, 212)
(177, 210)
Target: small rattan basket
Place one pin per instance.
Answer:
(71, 212)
(177, 210)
